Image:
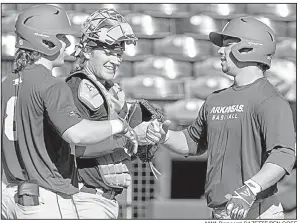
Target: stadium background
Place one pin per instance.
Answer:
(175, 66)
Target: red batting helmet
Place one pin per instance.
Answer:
(254, 35)
(39, 25)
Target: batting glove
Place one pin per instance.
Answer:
(158, 132)
(242, 199)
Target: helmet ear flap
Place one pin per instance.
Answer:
(258, 42)
(48, 44)
(241, 50)
(248, 51)
(38, 26)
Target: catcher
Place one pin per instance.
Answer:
(99, 53)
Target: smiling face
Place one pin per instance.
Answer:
(104, 61)
(228, 62)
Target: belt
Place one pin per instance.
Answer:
(108, 194)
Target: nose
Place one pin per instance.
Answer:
(221, 51)
(116, 59)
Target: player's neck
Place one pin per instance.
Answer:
(46, 63)
(248, 76)
(92, 75)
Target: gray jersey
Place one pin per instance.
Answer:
(42, 102)
(242, 128)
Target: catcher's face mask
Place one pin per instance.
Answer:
(106, 27)
(109, 27)
(117, 48)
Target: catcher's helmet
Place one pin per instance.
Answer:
(40, 24)
(108, 27)
(256, 37)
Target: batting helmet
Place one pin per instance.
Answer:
(39, 25)
(106, 26)
(255, 37)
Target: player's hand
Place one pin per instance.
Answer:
(117, 97)
(240, 202)
(157, 132)
(132, 139)
(141, 131)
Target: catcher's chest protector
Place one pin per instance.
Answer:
(112, 169)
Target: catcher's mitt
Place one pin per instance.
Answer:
(139, 112)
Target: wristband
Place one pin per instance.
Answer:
(116, 126)
(253, 186)
(125, 126)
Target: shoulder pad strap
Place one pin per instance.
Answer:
(76, 74)
(89, 95)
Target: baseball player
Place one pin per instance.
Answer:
(38, 111)
(246, 129)
(104, 169)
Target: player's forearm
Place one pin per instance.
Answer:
(91, 132)
(177, 143)
(268, 175)
(99, 149)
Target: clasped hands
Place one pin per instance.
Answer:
(151, 132)
(158, 132)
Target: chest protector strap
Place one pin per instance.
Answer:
(91, 92)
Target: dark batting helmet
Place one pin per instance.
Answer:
(256, 39)
(39, 25)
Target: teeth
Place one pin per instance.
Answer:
(110, 68)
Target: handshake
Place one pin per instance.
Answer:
(146, 133)
(157, 132)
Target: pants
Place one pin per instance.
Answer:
(95, 206)
(273, 212)
(51, 206)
